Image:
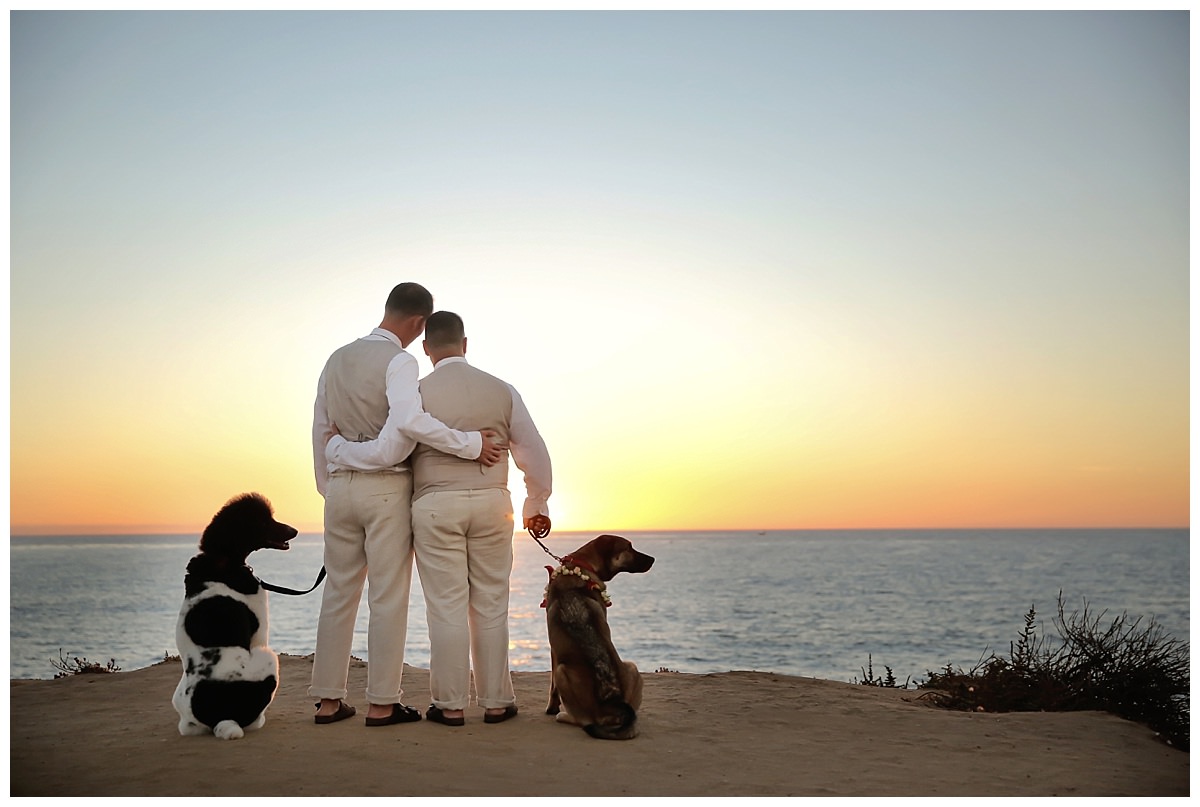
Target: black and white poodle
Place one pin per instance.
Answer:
(229, 673)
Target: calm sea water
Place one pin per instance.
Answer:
(803, 603)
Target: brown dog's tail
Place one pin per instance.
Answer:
(622, 725)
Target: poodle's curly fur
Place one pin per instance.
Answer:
(230, 673)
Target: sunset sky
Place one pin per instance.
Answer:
(748, 270)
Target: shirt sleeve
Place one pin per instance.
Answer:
(529, 453)
(319, 429)
(407, 424)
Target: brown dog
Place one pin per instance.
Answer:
(594, 687)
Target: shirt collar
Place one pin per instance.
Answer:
(386, 334)
(451, 360)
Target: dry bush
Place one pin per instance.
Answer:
(77, 666)
(1120, 666)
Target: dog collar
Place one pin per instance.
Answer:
(587, 567)
(579, 570)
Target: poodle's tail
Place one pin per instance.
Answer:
(228, 730)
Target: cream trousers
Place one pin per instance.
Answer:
(368, 537)
(463, 542)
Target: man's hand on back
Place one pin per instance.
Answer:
(493, 451)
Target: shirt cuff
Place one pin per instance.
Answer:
(535, 507)
(332, 446)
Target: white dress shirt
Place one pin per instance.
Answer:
(407, 424)
(525, 443)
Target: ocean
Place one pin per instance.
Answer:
(807, 603)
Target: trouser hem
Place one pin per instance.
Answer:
(497, 704)
(450, 706)
(327, 694)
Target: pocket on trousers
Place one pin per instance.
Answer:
(503, 504)
(425, 507)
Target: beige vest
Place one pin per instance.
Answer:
(356, 387)
(468, 399)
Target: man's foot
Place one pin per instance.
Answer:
(499, 715)
(447, 717)
(331, 711)
(390, 713)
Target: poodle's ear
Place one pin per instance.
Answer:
(214, 538)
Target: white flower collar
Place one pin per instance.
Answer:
(593, 583)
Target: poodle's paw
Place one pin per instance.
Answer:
(228, 730)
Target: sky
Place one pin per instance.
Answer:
(748, 270)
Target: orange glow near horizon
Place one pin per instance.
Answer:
(904, 485)
(788, 457)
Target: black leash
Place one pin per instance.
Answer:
(292, 591)
(535, 537)
(321, 575)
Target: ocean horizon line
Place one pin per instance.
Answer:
(138, 533)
